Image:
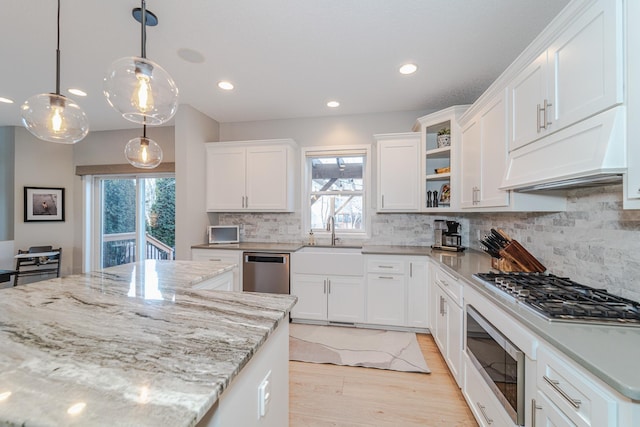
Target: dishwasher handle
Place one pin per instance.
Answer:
(265, 258)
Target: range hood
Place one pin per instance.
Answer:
(589, 153)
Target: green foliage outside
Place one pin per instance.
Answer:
(119, 215)
(164, 207)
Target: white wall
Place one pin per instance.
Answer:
(192, 130)
(6, 182)
(44, 164)
(331, 130)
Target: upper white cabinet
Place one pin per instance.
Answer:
(398, 172)
(578, 75)
(440, 177)
(252, 176)
(484, 157)
(632, 87)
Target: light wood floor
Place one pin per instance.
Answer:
(330, 395)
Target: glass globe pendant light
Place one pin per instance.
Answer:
(143, 152)
(138, 88)
(52, 116)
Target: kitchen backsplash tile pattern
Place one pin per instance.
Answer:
(594, 242)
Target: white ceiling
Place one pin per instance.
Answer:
(286, 58)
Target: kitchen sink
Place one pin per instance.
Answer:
(328, 260)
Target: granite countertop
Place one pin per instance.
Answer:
(253, 246)
(129, 345)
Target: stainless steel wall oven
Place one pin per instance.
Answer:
(499, 362)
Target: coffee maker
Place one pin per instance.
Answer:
(446, 236)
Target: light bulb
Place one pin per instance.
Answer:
(56, 118)
(142, 97)
(143, 152)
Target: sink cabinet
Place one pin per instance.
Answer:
(250, 176)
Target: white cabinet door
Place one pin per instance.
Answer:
(399, 172)
(547, 414)
(528, 91)
(267, 178)
(470, 164)
(345, 299)
(311, 291)
(386, 299)
(493, 155)
(417, 293)
(439, 327)
(448, 332)
(225, 176)
(586, 65)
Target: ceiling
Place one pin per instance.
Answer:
(286, 58)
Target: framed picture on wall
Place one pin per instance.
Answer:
(43, 204)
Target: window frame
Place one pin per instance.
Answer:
(307, 153)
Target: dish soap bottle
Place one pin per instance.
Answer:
(312, 238)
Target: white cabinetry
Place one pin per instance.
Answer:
(253, 176)
(484, 157)
(328, 291)
(222, 255)
(398, 157)
(578, 75)
(572, 395)
(632, 96)
(436, 159)
(447, 330)
(397, 291)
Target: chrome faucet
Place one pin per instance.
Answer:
(331, 226)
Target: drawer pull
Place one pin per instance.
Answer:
(534, 407)
(385, 277)
(385, 266)
(556, 386)
(484, 414)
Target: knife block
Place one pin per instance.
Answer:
(514, 257)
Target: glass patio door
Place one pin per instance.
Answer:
(136, 219)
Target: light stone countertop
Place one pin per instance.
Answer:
(134, 343)
(253, 246)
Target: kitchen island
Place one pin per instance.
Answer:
(140, 344)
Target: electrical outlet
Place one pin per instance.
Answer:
(264, 395)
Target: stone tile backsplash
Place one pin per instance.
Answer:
(595, 242)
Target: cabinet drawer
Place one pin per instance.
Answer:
(385, 266)
(483, 402)
(450, 285)
(572, 390)
(216, 255)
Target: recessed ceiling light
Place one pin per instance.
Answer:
(78, 92)
(225, 85)
(333, 104)
(6, 100)
(408, 69)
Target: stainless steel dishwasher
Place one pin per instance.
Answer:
(265, 272)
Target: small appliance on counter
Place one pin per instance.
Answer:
(446, 236)
(223, 234)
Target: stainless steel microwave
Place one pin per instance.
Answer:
(224, 234)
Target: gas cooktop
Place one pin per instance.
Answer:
(560, 299)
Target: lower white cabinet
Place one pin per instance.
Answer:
(397, 291)
(447, 327)
(328, 298)
(222, 255)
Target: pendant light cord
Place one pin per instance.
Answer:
(143, 21)
(58, 55)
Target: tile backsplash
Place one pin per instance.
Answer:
(594, 242)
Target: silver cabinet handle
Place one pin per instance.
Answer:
(441, 306)
(383, 200)
(329, 282)
(410, 269)
(484, 414)
(534, 408)
(243, 201)
(385, 277)
(215, 259)
(538, 127)
(385, 266)
(556, 386)
(325, 286)
(547, 122)
(246, 201)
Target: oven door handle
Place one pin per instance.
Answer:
(555, 384)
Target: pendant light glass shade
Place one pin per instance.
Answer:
(143, 152)
(54, 118)
(141, 90)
